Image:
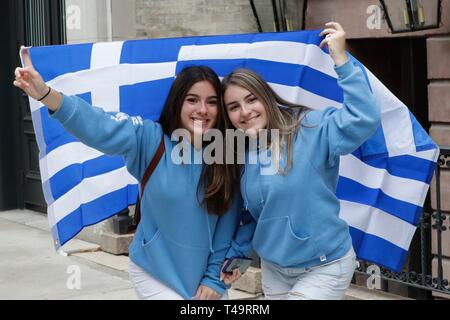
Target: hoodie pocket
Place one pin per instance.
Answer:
(148, 243)
(178, 266)
(276, 241)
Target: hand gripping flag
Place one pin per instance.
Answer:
(382, 185)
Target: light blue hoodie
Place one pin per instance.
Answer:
(177, 241)
(297, 214)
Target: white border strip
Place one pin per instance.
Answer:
(408, 190)
(64, 156)
(106, 54)
(395, 119)
(88, 190)
(277, 51)
(430, 155)
(109, 78)
(378, 223)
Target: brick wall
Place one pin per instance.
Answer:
(173, 18)
(354, 16)
(438, 55)
(91, 20)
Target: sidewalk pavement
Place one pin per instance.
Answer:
(30, 268)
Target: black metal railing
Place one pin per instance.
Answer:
(431, 226)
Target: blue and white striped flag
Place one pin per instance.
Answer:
(382, 185)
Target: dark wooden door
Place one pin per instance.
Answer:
(43, 20)
(31, 23)
(400, 64)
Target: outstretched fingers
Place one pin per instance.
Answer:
(27, 62)
(324, 42)
(334, 25)
(21, 84)
(26, 58)
(327, 31)
(22, 76)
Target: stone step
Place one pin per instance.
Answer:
(120, 263)
(116, 243)
(250, 281)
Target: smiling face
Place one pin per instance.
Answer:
(200, 108)
(245, 110)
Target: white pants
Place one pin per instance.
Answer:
(148, 288)
(325, 282)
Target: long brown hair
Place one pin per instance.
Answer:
(218, 182)
(281, 114)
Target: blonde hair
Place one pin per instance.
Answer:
(281, 114)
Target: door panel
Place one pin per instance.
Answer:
(43, 21)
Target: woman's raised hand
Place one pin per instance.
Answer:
(28, 79)
(31, 82)
(335, 40)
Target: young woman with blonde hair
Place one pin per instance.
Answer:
(305, 248)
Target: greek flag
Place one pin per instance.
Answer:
(382, 185)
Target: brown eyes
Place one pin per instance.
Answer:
(232, 107)
(250, 100)
(196, 100)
